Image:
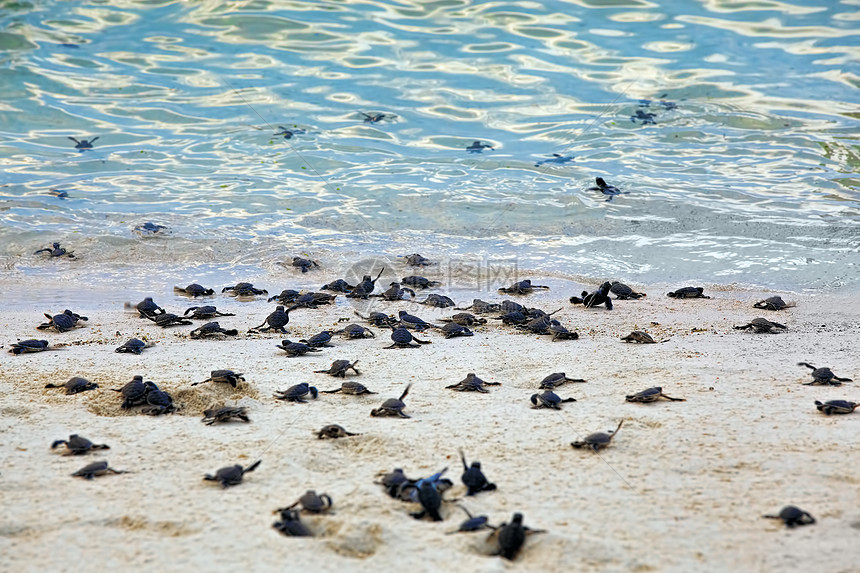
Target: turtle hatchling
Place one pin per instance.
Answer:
(556, 159)
(511, 537)
(402, 338)
(438, 301)
(609, 190)
(312, 502)
(223, 377)
(522, 287)
(430, 500)
(419, 282)
(291, 524)
(836, 406)
(473, 523)
(212, 329)
(225, 414)
(147, 307)
(77, 445)
(560, 332)
(287, 296)
(465, 319)
(338, 285)
(792, 516)
(646, 117)
(62, 322)
(277, 320)
(340, 368)
(598, 440)
(395, 292)
(158, 401)
(624, 292)
(366, 286)
(96, 469)
(289, 133)
(598, 297)
(167, 320)
(452, 329)
(477, 147)
(413, 322)
(75, 385)
(297, 393)
(194, 290)
(84, 143)
(304, 264)
(651, 395)
(320, 340)
(773, 303)
(205, 312)
(393, 406)
(55, 250)
(640, 337)
(133, 393)
(333, 431)
(416, 260)
(761, 326)
(472, 383)
(132, 346)
(149, 228)
(355, 331)
(549, 399)
(688, 292)
(823, 376)
(379, 319)
(556, 379)
(376, 117)
(231, 475)
(473, 477)
(294, 349)
(244, 290)
(29, 345)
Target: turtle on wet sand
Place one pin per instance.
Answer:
(482, 306)
(150, 228)
(761, 326)
(651, 395)
(297, 393)
(560, 332)
(395, 292)
(304, 264)
(223, 377)
(205, 312)
(62, 322)
(598, 440)
(472, 383)
(438, 301)
(452, 330)
(96, 469)
(355, 331)
(147, 307)
(133, 346)
(287, 296)
(609, 190)
(340, 368)
(77, 445)
(167, 320)
(792, 516)
(477, 147)
(556, 379)
(598, 297)
(333, 431)
(836, 406)
(211, 329)
(84, 143)
(29, 345)
(225, 414)
(548, 399)
(243, 290)
(194, 290)
(276, 320)
(320, 340)
(55, 250)
(312, 502)
(291, 524)
(294, 349)
(416, 260)
(402, 338)
(393, 406)
(823, 376)
(419, 282)
(624, 292)
(231, 475)
(639, 336)
(364, 288)
(688, 292)
(522, 287)
(75, 385)
(773, 303)
(473, 477)
(338, 285)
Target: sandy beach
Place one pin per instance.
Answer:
(682, 487)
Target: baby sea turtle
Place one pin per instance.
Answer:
(287, 296)
(289, 133)
(438, 301)
(366, 286)
(133, 346)
(77, 445)
(773, 303)
(29, 345)
(339, 285)
(340, 368)
(522, 287)
(792, 516)
(482, 306)
(231, 475)
(639, 336)
(395, 292)
(598, 440)
(557, 159)
(549, 399)
(473, 477)
(205, 312)
(402, 338)
(393, 480)
(761, 326)
(823, 376)
(624, 292)
(355, 331)
(133, 393)
(430, 500)
(58, 193)
(277, 320)
(836, 406)
(376, 117)
(416, 260)
(95, 469)
(225, 414)
(55, 250)
(511, 537)
(194, 290)
(477, 147)
(472, 383)
(297, 393)
(158, 401)
(379, 319)
(688, 292)
(333, 431)
(646, 117)
(651, 395)
(560, 332)
(304, 264)
(149, 228)
(413, 322)
(84, 143)
(167, 320)
(75, 385)
(294, 349)
(62, 322)
(473, 523)
(452, 329)
(243, 290)
(556, 379)
(465, 319)
(147, 308)
(419, 282)
(311, 502)
(223, 377)
(320, 340)
(393, 406)
(598, 297)
(518, 318)
(609, 190)
(212, 329)
(291, 524)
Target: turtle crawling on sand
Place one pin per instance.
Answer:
(194, 290)
(147, 307)
(598, 297)
(158, 401)
(205, 312)
(402, 338)
(304, 264)
(473, 523)
(688, 292)
(465, 319)
(548, 399)
(639, 336)
(598, 440)
(419, 282)
(95, 469)
(452, 330)
(225, 414)
(557, 379)
(29, 345)
(133, 393)
(511, 537)
(132, 346)
(294, 349)
(414, 322)
(472, 383)
(276, 320)
(355, 331)
(211, 329)
(55, 250)
(836, 406)
(393, 406)
(473, 477)
(338, 285)
(231, 475)
(624, 292)
(350, 387)
(365, 287)
(761, 326)
(243, 290)
(291, 524)
(438, 301)
(792, 516)
(522, 287)
(167, 320)
(651, 395)
(311, 502)
(297, 393)
(823, 376)
(223, 377)
(63, 322)
(340, 368)
(773, 303)
(75, 385)
(333, 431)
(77, 445)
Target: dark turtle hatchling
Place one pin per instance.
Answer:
(167, 320)
(393, 406)
(205, 312)
(395, 292)
(472, 383)
(511, 537)
(651, 395)
(836, 407)
(297, 393)
(823, 376)
(413, 322)
(277, 320)
(688, 292)
(149, 228)
(402, 338)
(243, 290)
(212, 329)
(95, 469)
(473, 523)
(133, 393)
(84, 143)
(287, 296)
(559, 332)
(598, 297)
(77, 445)
(158, 401)
(438, 301)
(392, 481)
(231, 475)
(55, 250)
(291, 525)
(133, 346)
(557, 379)
(225, 414)
(75, 385)
(223, 377)
(452, 329)
(538, 325)
(304, 264)
(646, 117)
(773, 303)
(477, 147)
(465, 319)
(313, 299)
(419, 282)
(549, 399)
(556, 159)
(379, 319)
(355, 331)
(624, 292)
(761, 326)
(522, 287)
(194, 290)
(515, 318)
(609, 190)
(147, 308)
(62, 322)
(473, 477)
(333, 431)
(289, 133)
(29, 345)
(598, 440)
(366, 286)
(430, 500)
(320, 340)
(294, 349)
(640, 337)
(340, 368)
(416, 260)
(58, 193)
(376, 117)
(792, 516)
(312, 502)
(339, 285)
(482, 306)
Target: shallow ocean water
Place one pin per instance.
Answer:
(747, 176)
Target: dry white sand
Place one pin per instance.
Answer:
(682, 487)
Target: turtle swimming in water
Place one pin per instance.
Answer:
(294, 349)
(63, 322)
(761, 326)
(55, 250)
(332, 431)
(651, 395)
(297, 393)
(304, 264)
(557, 379)
(773, 303)
(75, 385)
(402, 338)
(132, 346)
(231, 475)
(836, 406)
(225, 414)
(609, 190)
(84, 143)
(150, 228)
(823, 376)
(624, 292)
(557, 159)
(77, 445)
(211, 329)
(472, 383)
(340, 368)
(688, 292)
(289, 133)
(29, 345)
(291, 524)
(194, 290)
(792, 516)
(522, 287)
(96, 469)
(598, 440)
(549, 399)
(393, 406)
(376, 117)
(646, 117)
(639, 336)
(473, 477)
(477, 147)
(223, 377)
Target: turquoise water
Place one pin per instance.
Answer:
(747, 176)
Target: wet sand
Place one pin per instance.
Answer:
(682, 487)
